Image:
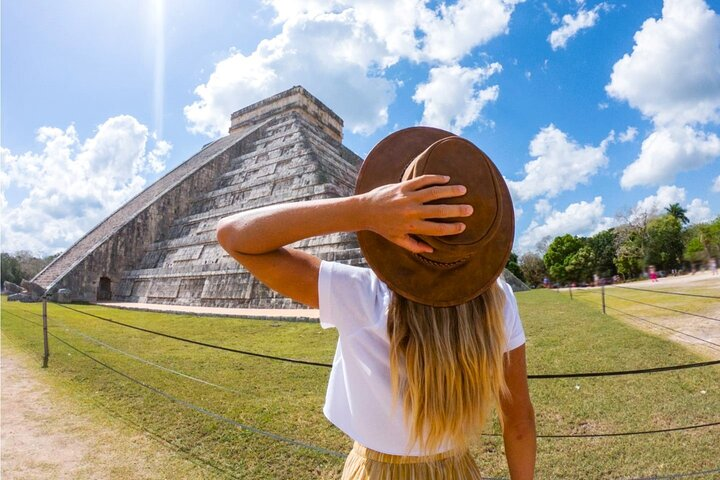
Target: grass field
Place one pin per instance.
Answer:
(563, 336)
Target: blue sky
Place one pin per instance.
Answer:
(590, 109)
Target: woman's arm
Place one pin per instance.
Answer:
(256, 238)
(518, 418)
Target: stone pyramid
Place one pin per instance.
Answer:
(160, 247)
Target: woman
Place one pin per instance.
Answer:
(429, 337)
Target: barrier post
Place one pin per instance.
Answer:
(570, 290)
(46, 353)
(602, 287)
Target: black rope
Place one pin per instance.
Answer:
(624, 434)
(662, 326)
(327, 365)
(204, 411)
(195, 342)
(663, 308)
(340, 455)
(148, 362)
(677, 475)
(667, 293)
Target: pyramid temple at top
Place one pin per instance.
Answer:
(160, 247)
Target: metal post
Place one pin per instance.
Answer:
(603, 298)
(46, 353)
(570, 290)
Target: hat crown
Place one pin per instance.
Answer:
(466, 165)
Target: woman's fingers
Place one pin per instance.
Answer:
(446, 211)
(438, 192)
(424, 181)
(438, 229)
(414, 245)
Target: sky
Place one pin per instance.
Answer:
(592, 111)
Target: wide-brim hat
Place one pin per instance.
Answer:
(461, 267)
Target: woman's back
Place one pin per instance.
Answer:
(360, 399)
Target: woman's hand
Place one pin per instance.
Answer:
(399, 211)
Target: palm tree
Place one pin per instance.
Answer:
(678, 212)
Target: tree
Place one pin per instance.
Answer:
(514, 268)
(629, 258)
(533, 268)
(580, 266)
(558, 255)
(9, 269)
(678, 212)
(664, 245)
(603, 245)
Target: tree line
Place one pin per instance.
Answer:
(21, 265)
(665, 241)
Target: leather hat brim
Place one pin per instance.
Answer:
(403, 271)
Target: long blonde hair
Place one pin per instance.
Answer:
(446, 366)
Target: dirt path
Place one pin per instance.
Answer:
(45, 435)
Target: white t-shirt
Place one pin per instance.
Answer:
(359, 396)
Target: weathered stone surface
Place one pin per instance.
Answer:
(63, 296)
(23, 297)
(33, 288)
(12, 287)
(160, 247)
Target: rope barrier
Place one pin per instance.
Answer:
(327, 365)
(325, 451)
(588, 435)
(667, 293)
(677, 475)
(209, 413)
(663, 308)
(663, 326)
(148, 362)
(195, 342)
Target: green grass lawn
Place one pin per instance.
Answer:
(286, 399)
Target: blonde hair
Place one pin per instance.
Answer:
(446, 366)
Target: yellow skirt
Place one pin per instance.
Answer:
(365, 464)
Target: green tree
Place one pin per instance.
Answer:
(9, 269)
(629, 258)
(559, 254)
(676, 211)
(664, 247)
(581, 265)
(533, 268)
(603, 245)
(514, 268)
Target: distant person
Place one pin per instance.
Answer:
(546, 282)
(429, 336)
(713, 265)
(652, 274)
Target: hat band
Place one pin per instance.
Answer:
(435, 263)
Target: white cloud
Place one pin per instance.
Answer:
(672, 77)
(451, 32)
(543, 208)
(72, 185)
(665, 196)
(582, 218)
(698, 211)
(560, 164)
(673, 72)
(340, 50)
(571, 25)
(452, 97)
(628, 135)
(668, 151)
(716, 184)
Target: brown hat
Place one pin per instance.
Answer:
(461, 266)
